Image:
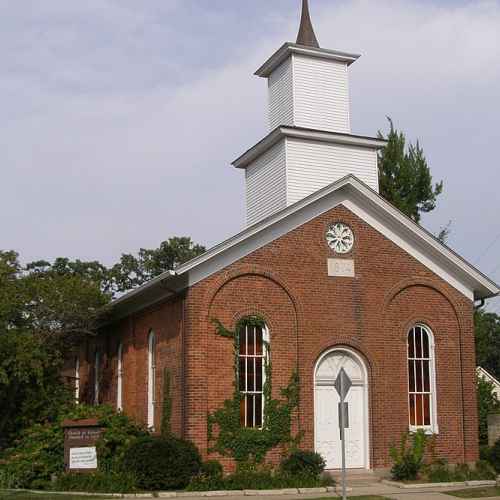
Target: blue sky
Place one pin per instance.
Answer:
(120, 117)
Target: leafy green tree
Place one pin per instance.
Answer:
(44, 310)
(487, 333)
(404, 176)
(487, 402)
(133, 271)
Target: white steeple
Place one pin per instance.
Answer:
(310, 144)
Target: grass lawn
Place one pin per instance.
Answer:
(38, 496)
(476, 493)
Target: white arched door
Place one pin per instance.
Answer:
(326, 410)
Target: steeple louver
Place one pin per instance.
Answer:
(306, 34)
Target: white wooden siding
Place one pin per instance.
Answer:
(321, 94)
(281, 95)
(312, 165)
(266, 184)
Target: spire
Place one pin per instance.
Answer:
(306, 34)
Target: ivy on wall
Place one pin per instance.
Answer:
(249, 446)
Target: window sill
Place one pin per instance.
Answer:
(429, 431)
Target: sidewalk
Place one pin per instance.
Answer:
(380, 489)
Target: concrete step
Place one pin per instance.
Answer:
(355, 477)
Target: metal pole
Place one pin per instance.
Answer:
(342, 437)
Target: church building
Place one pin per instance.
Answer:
(337, 278)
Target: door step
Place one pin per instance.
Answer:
(355, 477)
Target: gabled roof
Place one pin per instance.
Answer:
(484, 374)
(355, 196)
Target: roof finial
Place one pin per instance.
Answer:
(306, 31)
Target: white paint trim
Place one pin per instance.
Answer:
(481, 372)
(434, 427)
(119, 378)
(305, 133)
(288, 49)
(408, 247)
(151, 379)
(356, 196)
(366, 398)
(77, 379)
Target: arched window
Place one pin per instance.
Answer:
(421, 379)
(97, 375)
(151, 379)
(119, 378)
(77, 379)
(251, 371)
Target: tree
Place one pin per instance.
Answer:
(404, 176)
(44, 310)
(487, 333)
(487, 402)
(134, 271)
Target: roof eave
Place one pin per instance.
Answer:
(308, 134)
(289, 48)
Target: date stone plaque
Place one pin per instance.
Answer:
(341, 268)
(80, 438)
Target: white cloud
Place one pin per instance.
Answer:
(95, 165)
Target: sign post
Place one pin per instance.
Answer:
(343, 383)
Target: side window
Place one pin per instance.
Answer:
(151, 379)
(421, 379)
(119, 378)
(251, 370)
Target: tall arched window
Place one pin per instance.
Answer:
(77, 379)
(119, 378)
(151, 379)
(97, 375)
(421, 379)
(251, 371)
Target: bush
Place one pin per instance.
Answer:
(38, 453)
(98, 482)
(303, 463)
(408, 458)
(161, 463)
(259, 480)
(212, 469)
(440, 472)
(494, 456)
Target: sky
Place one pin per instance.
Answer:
(120, 118)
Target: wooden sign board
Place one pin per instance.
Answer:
(80, 439)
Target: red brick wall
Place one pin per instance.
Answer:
(166, 322)
(308, 312)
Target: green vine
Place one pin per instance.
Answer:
(249, 446)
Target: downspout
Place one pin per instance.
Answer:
(480, 305)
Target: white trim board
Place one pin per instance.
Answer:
(358, 198)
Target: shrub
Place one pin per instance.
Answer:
(98, 482)
(260, 480)
(306, 463)
(38, 453)
(484, 470)
(494, 456)
(212, 469)
(160, 463)
(409, 457)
